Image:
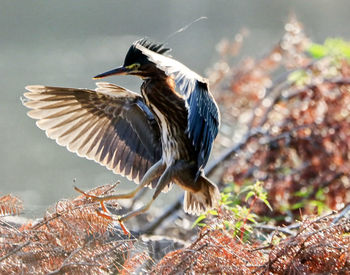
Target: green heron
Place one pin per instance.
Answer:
(159, 138)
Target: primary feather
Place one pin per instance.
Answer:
(110, 125)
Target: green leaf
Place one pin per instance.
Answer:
(298, 77)
(320, 194)
(302, 193)
(334, 47)
(316, 203)
(238, 224)
(244, 189)
(248, 229)
(265, 201)
(321, 206)
(317, 51)
(251, 219)
(227, 225)
(337, 46)
(198, 220)
(250, 194)
(297, 205)
(213, 212)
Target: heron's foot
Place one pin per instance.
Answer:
(136, 212)
(106, 214)
(94, 198)
(109, 216)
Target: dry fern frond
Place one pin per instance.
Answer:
(10, 205)
(71, 238)
(133, 263)
(215, 251)
(292, 127)
(319, 247)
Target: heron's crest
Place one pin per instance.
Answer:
(136, 53)
(154, 47)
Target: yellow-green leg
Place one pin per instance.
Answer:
(155, 171)
(162, 182)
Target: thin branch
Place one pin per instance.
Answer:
(18, 248)
(344, 213)
(293, 93)
(284, 230)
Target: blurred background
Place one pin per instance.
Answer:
(65, 43)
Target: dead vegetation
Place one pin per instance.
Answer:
(10, 205)
(293, 116)
(286, 119)
(318, 247)
(70, 238)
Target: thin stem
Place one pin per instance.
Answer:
(246, 217)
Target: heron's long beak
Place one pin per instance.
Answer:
(117, 71)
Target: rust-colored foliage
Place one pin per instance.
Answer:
(71, 238)
(287, 118)
(134, 262)
(318, 247)
(10, 205)
(214, 252)
(291, 118)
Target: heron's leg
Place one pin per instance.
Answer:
(155, 171)
(162, 182)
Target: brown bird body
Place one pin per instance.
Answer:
(162, 137)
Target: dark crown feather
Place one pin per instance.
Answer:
(155, 47)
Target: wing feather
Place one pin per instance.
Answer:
(110, 125)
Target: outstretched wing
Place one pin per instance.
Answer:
(203, 113)
(111, 125)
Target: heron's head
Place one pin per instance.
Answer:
(136, 61)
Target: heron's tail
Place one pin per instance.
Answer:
(207, 197)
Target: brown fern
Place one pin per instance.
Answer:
(71, 238)
(318, 246)
(10, 205)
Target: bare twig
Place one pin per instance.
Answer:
(284, 230)
(344, 213)
(14, 251)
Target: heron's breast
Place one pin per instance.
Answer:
(169, 136)
(171, 115)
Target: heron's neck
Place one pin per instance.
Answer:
(159, 94)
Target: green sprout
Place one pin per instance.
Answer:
(232, 199)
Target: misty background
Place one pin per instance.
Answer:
(65, 43)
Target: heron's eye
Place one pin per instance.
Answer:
(134, 66)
